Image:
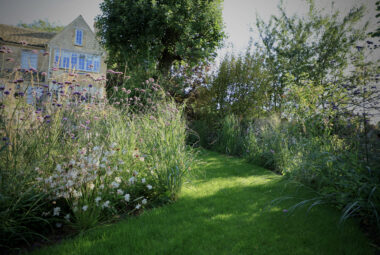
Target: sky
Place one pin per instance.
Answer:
(238, 15)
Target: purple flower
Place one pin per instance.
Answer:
(64, 119)
(54, 82)
(90, 85)
(19, 94)
(6, 92)
(285, 211)
(2, 88)
(5, 138)
(47, 116)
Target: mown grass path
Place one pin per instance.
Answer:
(224, 211)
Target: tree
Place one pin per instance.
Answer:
(42, 25)
(158, 33)
(318, 45)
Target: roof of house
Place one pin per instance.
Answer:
(19, 35)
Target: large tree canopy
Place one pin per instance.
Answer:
(160, 32)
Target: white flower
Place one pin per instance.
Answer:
(84, 208)
(117, 179)
(144, 201)
(91, 186)
(120, 192)
(101, 186)
(97, 199)
(77, 194)
(37, 169)
(75, 209)
(102, 165)
(58, 225)
(149, 186)
(135, 173)
(104, 159)
(115, 185)
(72, 162)
(106, 204)
(69, 183)
(56, 211)
(143, 180)
(58, 168)
(131, 180)
(138, 206)
(113, 145)
(142, 159)
(67, 217)
(127, 197)
(121, 162)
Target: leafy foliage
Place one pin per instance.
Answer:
(157, 33)
(42, 25)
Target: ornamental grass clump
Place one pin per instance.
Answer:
(71, 158)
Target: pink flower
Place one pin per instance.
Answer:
(10, 59)
(45, 53)
(43, 73)
(35, 51)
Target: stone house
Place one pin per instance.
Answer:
(46, 57)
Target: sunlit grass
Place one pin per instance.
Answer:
(225, 210)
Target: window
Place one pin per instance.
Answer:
(74, 60)
(66, 60)
(78, 37)
(97, 64)
(89, 66)
(81, 62)
(29, 59)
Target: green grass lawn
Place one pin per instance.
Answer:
(224, 211)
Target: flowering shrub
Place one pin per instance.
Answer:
(70, 158)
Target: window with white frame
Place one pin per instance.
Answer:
(78, 61)
(78, 37)
(29, 59)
